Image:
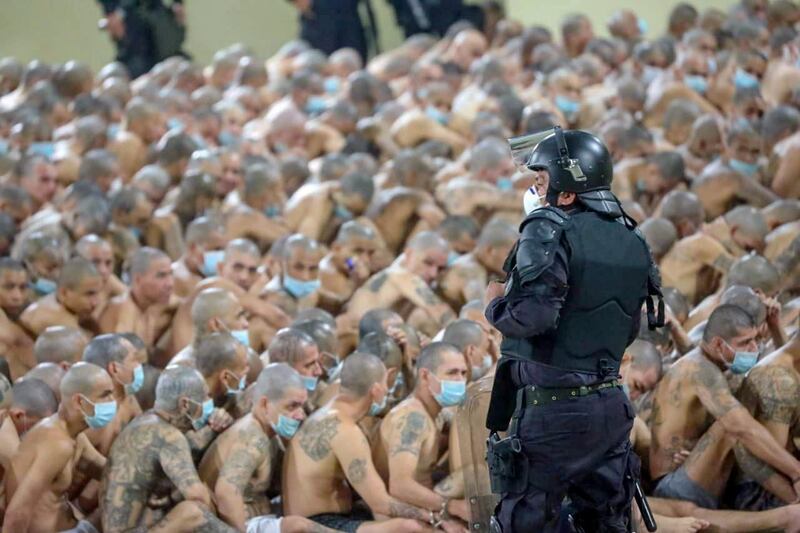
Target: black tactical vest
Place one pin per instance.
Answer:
(608, 267)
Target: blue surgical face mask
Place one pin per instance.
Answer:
(104, 413)
(505, 184)
(112, 130)
(743, 361)
(712, 65)
(3, 146)
(175, 123)
(210, 261)
(241, 335)
(208, 408)
(138, 380)
(286, 427)
(45, 149)
(748, 169)
(298, 288)
(696, 83)
(452, 257)
(272, 211)
(650, 73)
(310, 383)
(316, 105)
(376, 408)
(228, 139)
(44, 286)
(452, 393)
(240, 386)
(567, 106)
(137, 232)
(437, 114)
(331, 84)
(744, 80)
(643, 26)
(342, 212)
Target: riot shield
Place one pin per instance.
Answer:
(471, 459)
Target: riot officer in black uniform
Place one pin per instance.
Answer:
(576, 282)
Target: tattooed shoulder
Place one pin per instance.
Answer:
(316, 435)
(411, 429)
(776, 390)
(249, 452)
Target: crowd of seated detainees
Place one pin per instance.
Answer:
(249, 296)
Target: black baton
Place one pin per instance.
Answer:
(644, 507)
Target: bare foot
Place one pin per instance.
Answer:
(689, 524)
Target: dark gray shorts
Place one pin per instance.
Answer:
(339, 522)
(678, 486)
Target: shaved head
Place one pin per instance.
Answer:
(682, 206)
(361, 371)
(747, 299)
(354, 230)
(756, 272)
(34, 397)
(727, 322)
(81, 379)
(382, 346)
(781, 212)
(748, 221)
(289, 345)
(59, 344)
(324, 334)
(660, 235)
(375, 320)
(176, 382)
(463, 333)
(218, 351)
(50, 373)
(275, 380)
(497, 235)
(75, 271)
(209, 304)
(141, 260)
(427, 240)
(106, 349)
(645, 356)
(432, 355)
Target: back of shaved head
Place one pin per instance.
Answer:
(106, 349)
(463, 333)
(361, 371)
(645, 356)
(678, 206)
(497, 234)
(489, 153)
(201, 230)
(35, 397)
(782, 211)
(315, 313)
(324, 334)
(374, 319)
(58, 344)
(747, 299)
(275, 380)
(141, 259)
(75, 271)
(427, 240)
(706, 128)
(756, 272)
(749, 221)
(727, 322)
(216, 352)
(50, 373)
(660, 235)
(176, 382)
(90, 241)
(289, 345)
(80, 379)
(138, 110)
(209, 304)
(677, 302)
(260, 178)
(432, 355)
(382, 346)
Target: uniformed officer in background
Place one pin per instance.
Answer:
(329, 25)
(145, 32)
(577, 279)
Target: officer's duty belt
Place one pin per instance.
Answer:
(537, 396)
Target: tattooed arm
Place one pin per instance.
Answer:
(406, 437)
(176, 461)
(716, 397)
(418, 293)
(250, 451)
(353, 453)
(776, 391)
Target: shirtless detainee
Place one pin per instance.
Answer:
(405, 285)
(695, 391)
(240, 465)
(73, 304)
(15, 343)
(61, 345)
(410, 442)
(151, 457)
(99, 252)
(297, 349)
(204, 250)
(297, 286)
(347, 266)
(330, 451)
(42, 470)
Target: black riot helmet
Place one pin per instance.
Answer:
(577, 161)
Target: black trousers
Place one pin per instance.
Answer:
(334, 24)
(151, 35)
(579, 449)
